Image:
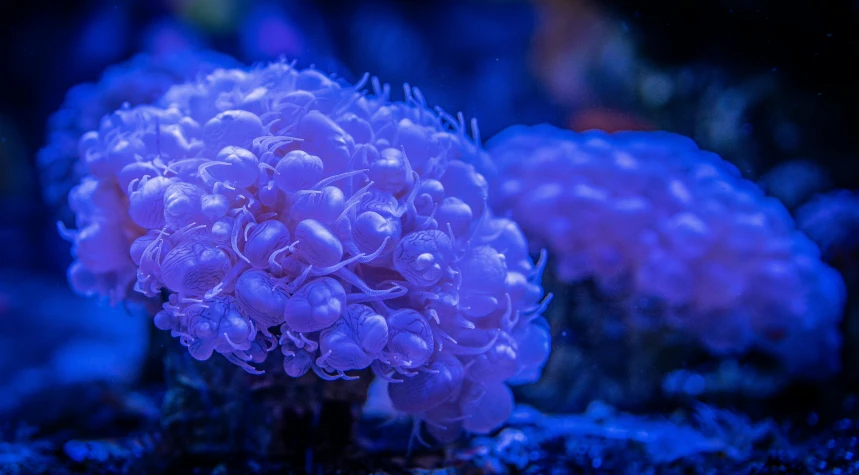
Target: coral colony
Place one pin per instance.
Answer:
(679, 233)
(140, 80)
(281, 209)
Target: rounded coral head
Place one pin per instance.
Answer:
(279, 207)
(655, 220)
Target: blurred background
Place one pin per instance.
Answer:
(769, 86)
(760, 82)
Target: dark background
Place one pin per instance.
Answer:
(810, 49)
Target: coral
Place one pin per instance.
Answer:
(279, 207)
(678, 233)
(794, 181)
(140, 80)
(832, 221)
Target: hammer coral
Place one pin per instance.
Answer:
(280, 207)
(141, 80)
(676, 231)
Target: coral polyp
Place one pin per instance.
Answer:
(140, 80)
(278, 207)
(676, 232)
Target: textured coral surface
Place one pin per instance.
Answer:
(140, 80)
(678, 233)
(281, 208)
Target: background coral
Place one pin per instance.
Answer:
(832, 221)
(678, 234)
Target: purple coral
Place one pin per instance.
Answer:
(650, 216)
(141, 80)
(280, 207)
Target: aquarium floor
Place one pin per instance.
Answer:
(825, 449)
